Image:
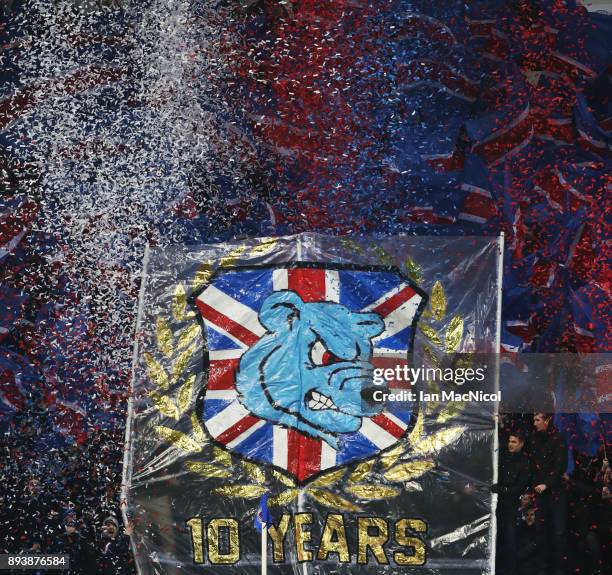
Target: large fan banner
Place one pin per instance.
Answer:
(298, 369)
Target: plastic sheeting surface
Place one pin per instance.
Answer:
(254, 372)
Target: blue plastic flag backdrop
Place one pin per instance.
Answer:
(314, 369)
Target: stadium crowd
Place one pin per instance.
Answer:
(63, 498)
(549, 522)
(553, 514)
(515, 137)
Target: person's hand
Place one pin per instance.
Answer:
(129, 529)
(540, 488)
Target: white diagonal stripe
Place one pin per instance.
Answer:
(231, 415)
(472, 218)
(400, 318)
(248, 432)
(395, 419)
(383, 298)
(233, 309)
(376, 434)
(476, 190)
(227, 334)
(9, 246)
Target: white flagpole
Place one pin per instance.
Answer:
(264, 548)
(301, 498)
(493, 524)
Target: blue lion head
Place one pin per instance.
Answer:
(311, 370)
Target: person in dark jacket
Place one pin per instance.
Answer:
(549, 463)
(514, 481)
(589, 503)
(36, 519)
(114, 549)
(527, 549)
(72, 542)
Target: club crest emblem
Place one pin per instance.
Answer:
(291, 353)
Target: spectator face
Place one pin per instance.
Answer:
(33, 487)
(514, 444)
(540, 422)
(530, 517)
(70, 523)
(110, 529)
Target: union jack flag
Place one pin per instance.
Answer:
(230, 307)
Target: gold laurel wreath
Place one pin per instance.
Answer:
(408, 461)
